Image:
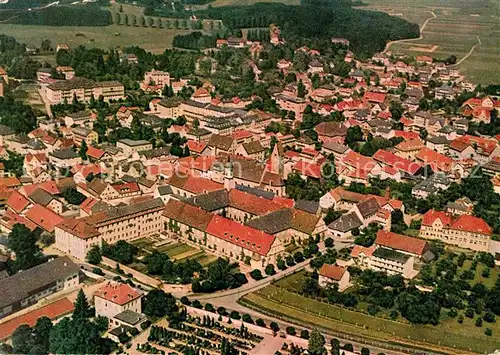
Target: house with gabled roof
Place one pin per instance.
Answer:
(466, 231)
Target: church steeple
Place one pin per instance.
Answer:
(276, 160)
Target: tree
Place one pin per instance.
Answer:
(42, 330)
(22, 339)
(260, 322)
(365, 351)
(301, 89)
(335, 345)
(45, 45)
(82, 152)
(329, 242)
(22, 242)
(270, 270)
(316, 343)
(396, 110)
(256, 274)
(157, 303)
(274, 326)
(82, 307)
(73, 196)
(94, 256)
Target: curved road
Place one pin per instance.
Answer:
(468, 54)
(389, 44)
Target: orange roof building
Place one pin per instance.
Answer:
(466, 231)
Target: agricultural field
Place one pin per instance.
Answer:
(155, 40)
(283, 300)
(458, 26)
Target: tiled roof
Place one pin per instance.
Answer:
(49, 186)
(241, 235)
(401, 242)
(397, 162)
(189, 215)
(471, 224)
(432, 215)
(43, 217)
(17, 201)
(118, 293)
(436, 160)
(95, 153)
(374, 97)
(358, 249)
(52, 311)
(333, 272)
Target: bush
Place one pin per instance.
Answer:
(488, 332)
(221, 310)
(348, 347)
(452, 313)
(291, 330)
(209, 307)
(489, 317)
(274, 326)
(98, 271)
(469, 312)
(260, 322)
(479, 322)
(365, 351)
(373, 309)
(298, 257)
(256, 274)
(270, 270)
(329, 242)
(145, 325)
(281, 264)
(486, 272)
(394, 314)
(185, 300)
(304, 334)
(235, 315)
(247, 318)
(460, 319)
(197, 304)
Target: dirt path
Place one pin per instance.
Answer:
(468, 54)
(389, 44)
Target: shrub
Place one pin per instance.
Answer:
(185, 300)
(304, 334)
(469, 312)
(197, 304)
(260, 322)
(488, 332)
(145, 325)
(479, 322)
(256, 274)
(235, 315)
(329, 242)
(489, 317)
(460, 319)
(365, 351)
(221, 310)
(348, 347)
(452, 313)
(270, 270)
(394, 314)
(209, 307)
(486, 272)
(247, 318)
(98, 271)
(274, 326)
(291, 330)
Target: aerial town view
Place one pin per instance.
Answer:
(250, 177)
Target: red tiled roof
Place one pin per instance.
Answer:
(432, 215)
(201, 92)
(308, 169)
(241, 235)
(374, 97)
(198, 185)
(471, 224)
(333, 272)
(251, 203)
(118, 293)
(401, 242)
(240, 134)
(11, 181)
(10, 218)
(436, 160)
(397, 162)
(53, 311)
(87, 204)
(17, 202)
(43, 217)
(49, 186)
(358, 249)
(126, 188)
(95, 153)
(196, 147)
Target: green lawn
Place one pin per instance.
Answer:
(487, 281)
(330, 317)
(155, 40)
(175, 249)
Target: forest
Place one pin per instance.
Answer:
(367, 31)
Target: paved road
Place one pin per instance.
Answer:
(389, 44)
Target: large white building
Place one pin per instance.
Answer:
(83, 89)
(76, 236)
